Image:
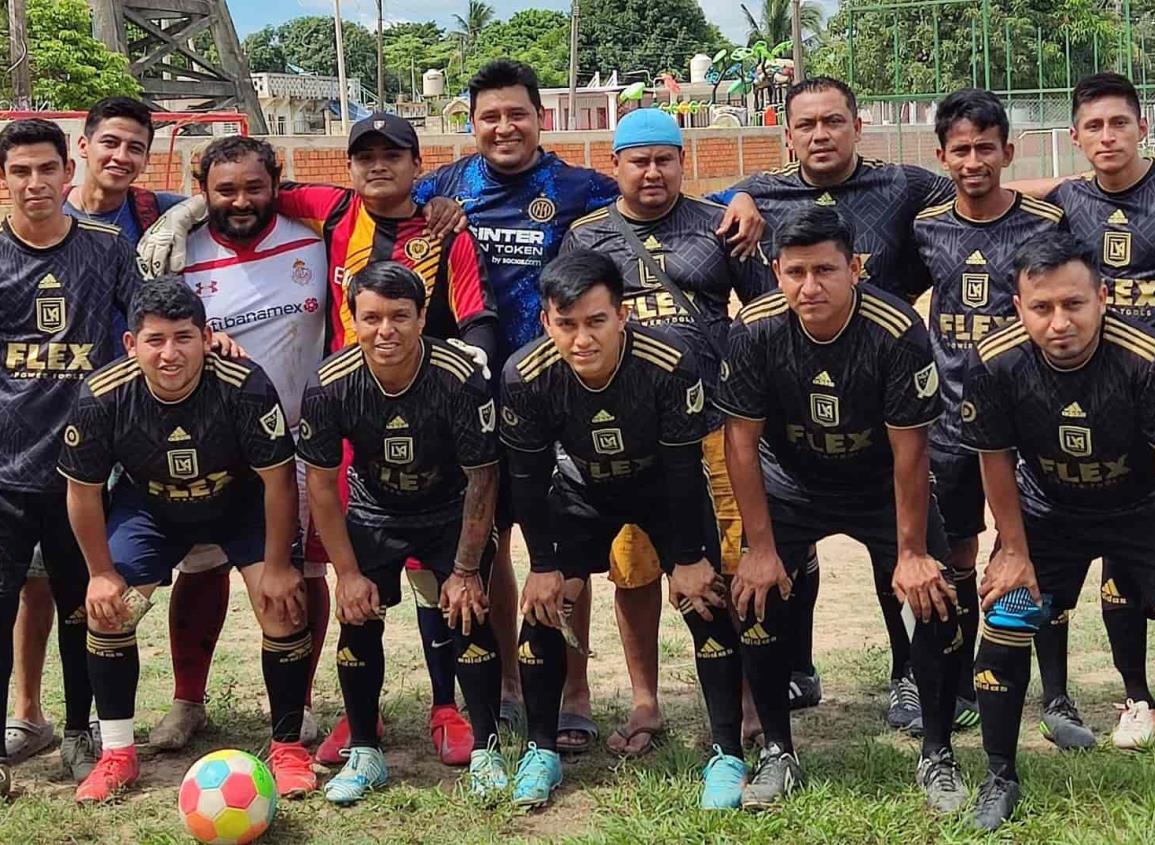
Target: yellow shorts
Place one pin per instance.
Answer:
(633, 560)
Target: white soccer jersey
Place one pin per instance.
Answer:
(269, 296)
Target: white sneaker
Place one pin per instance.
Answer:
(308, 728)
(1136, 729)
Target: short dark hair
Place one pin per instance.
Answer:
(982, 108)
(111, 107)
(504, 73)
(1051, 250)
(167, 297)
(1106, 84)
(567, 278)
(33, 130)
(814, 84)
(815, 225)
(388, 279)
(234, 148)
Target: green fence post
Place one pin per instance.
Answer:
(1128, 35)
(1039, 63)
(1008, 29)
(897, 85)
(1067, 36)
(987, 44)
(850, 47)
(937, 57)
(1096, 52)
(974, 55)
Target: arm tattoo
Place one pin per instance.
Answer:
(477, 514)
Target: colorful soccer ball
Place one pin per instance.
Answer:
(228, 797)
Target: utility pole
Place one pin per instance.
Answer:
(796, 40)
(571, 123)
(342, 82)
(380, 54)
(18, 56)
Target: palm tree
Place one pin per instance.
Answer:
(773, 25)
(476, 19)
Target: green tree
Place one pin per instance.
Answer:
(309, 43)
(772, 24)
(413, 48)
(643, 36)
(538, 37)
(69, 68)
(264, 52)
(478, 17)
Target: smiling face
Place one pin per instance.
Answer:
(36, 177)
(589, 334)
(507, 128)
(171, 354)
(382, 174)
(388, 330)
(116, 152)
(242, 197)
(975, 158)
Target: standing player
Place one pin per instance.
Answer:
(207, 459)
(968, 245)
(676, 234)
(423, 485)
(840, 380)
(61, 280)
(1067, 396)
(628, 409)
(1113, 210)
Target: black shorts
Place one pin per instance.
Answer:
(1062, 547)
(798, 526)
(586, 532)
(958, 486)
(30, 518)
(383, 551)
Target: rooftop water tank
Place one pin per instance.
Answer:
(433, 83)
(698, 67)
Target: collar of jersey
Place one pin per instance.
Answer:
(857, 167)
(1142, 181)
(543, 159)
(633, 221)
(253, 245)
(626, 341)
(412, 381)
(73, 225)
(1090, 358)
(970, 221)
(208, 362)
(841, 331)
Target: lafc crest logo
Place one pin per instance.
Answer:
(182, 463)
(51, 314)
(608, 441)
(399, 450)
(1075, 440)
(824, 410)
(487, 413)
(975, 289)
(1116, 249)
(926, 381)
(274, 423)
(695, 399)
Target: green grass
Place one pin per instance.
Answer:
(860, 775)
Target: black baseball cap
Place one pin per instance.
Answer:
(396, 131)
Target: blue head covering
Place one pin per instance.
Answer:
(647, 128)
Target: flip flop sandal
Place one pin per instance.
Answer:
(575, 723)
(656, 736)
(26, 739)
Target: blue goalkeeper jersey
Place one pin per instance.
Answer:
(518, 222)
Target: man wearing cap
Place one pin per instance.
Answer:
(679, 276)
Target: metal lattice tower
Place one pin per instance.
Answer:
(152, 33)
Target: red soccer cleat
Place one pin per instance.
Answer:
(117, 769)
(452, 736)
(292, 769)
(329, 751)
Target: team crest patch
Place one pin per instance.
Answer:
(975, 289)
(378, 124)
(1075, 440)
(182, 463)
(399, 450)
(608, 441)
(488, 415)
(926, 381)
(51, 314)
(72, 436)
(542, 210)
(967, 411)
(417, 248)
(509, 417)
(301, 274)
(1116, 249)
(824, 410)
(724, 371)
(695, 398)
(274, 423)
(306, 430)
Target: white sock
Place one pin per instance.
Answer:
(116, 733)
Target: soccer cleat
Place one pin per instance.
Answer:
(996, 801)
(776, 775)
(309, 731)
(117, 769)
(722, 781)
(79, 751)
(1136, 729)
(487, 773)
(805, 690)
(5, 779)
(538, 774)
(180, 724)
(292, 769)
(364, 771)
(329, 751)
(451, 734)
(941, 779)
(1063, 725)
(904, 705)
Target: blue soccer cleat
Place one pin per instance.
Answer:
(538, 775)
(724, 777)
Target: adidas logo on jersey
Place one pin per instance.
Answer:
(525, 655)
(49, 281)
(346, 657)
(651, 243)
(1073, 410)
(987, 682)
(603, 417)
(712, 649)
(1110, 593)
(476, 654)
(976, 257)
(825, 199)
(396, 423)
(823, 379)
(178, 435)
(756, 636)
(1118, 218)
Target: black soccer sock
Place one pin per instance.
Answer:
(803, 597)
(436, 637)
(720, 675)
(541, 659)
(9, 608)
(479, 670)
(1126, 626)
(766, 649)
(361, 671)
(1051, 652)
(72, 636)
(966, 584)
(895, 628)
(114, 668)
(285, 663)
(1002, 672)
(935, 654)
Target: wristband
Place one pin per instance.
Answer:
(465, 571)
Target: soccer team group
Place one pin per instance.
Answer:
(512, 339)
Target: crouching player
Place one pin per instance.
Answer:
(1069, 393)
(423, 484)
(207, 459)
(628, 407)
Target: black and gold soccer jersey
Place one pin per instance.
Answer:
(971, 264)
(614, 434)
(827, 405)
(194, 460)
(1084, 436)
(880, 199)
(409, 448)
(684, 245)
(57, 307)
(1121, 228)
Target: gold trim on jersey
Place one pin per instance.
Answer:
(426, 267)
(96, 226)
(226, 371)
(656, 352)
(885, 314)
(451, 362)
(346, 362)
(111, 379)
(1039, 208)
(593, 217)
(785, 170)
(1121, 334)
(538, 361)
(767, 305)
(1002, 340)
(934, 210)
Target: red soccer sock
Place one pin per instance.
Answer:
(196, 615)
(317, 596)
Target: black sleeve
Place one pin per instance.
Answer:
(929, 188)
(743, 386)
(320, 433)
(129, 276)
(530, 474)
(686, 489)
(87, 454)
(261, 428)
(911, 398)
(482, 333)
(987, 421)
(474, 424)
